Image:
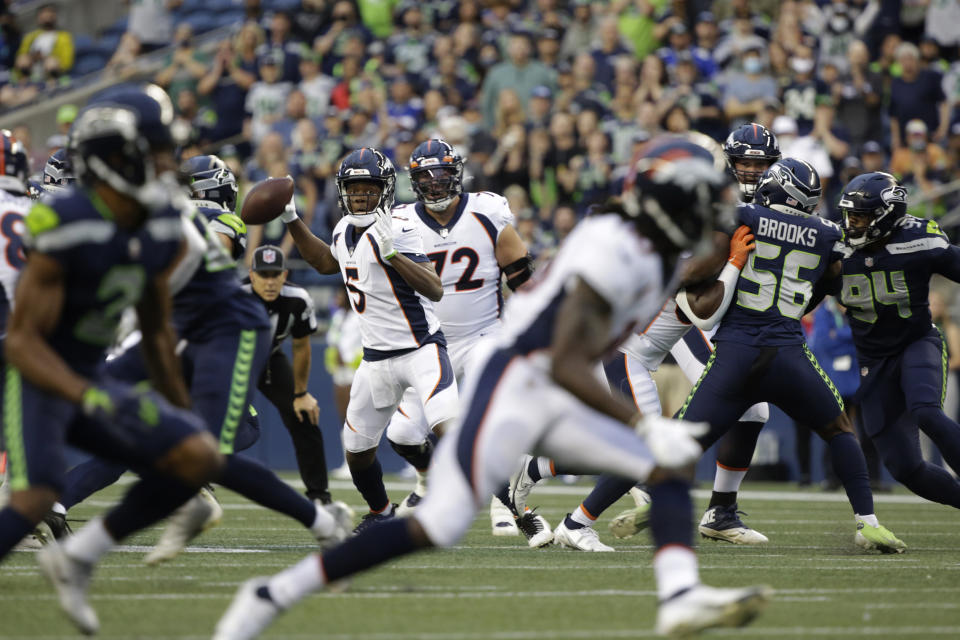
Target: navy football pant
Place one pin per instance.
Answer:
(900, 394)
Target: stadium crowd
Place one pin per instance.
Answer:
(545, 99)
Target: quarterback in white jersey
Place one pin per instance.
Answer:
(392, 286)
(471, 240)
(528, 391)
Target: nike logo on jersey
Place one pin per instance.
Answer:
(787, 232)
(402, 230)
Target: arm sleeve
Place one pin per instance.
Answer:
(305, 321)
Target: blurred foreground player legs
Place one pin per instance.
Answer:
(93, 253)
(529, 391)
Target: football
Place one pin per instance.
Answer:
(266, 200)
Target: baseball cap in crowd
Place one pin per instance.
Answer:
(706, 16)
(916, 127)
(784, 125)
(268, 258)
(871, 146)
(678, 27)
(541, 91)
(273, 57)
(550, 34)
(66, 114)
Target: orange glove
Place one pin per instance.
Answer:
(741, 244)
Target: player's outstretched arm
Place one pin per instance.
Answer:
(159, 342)
(579, 339)
(313, 249)
(36, 312)
(705, 305)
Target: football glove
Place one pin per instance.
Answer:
(383, 234)
(671, 441)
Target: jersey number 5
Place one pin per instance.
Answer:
(360, 302)
(794, 291)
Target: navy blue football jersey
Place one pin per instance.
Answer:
(230, 225)
(886, 288)
(776, 284)
(105, 268)
(213, 298)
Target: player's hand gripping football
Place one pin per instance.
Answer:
(671, 441)
(289, 211)
(741, 244)
(383, 234)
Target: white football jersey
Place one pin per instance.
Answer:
(652, 345)
(608, 254)
(393, 316)
(13, 209)
(464, 254)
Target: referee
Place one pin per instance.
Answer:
(291, 314)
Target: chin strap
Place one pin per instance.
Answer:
(519, 271)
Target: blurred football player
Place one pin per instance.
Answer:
(528, 391)
(392, 286)
(902, 355)
(225, 342)
(471, 239)
(93, 253)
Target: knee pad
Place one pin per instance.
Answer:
(416, 454)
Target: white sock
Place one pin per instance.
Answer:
(870, 519)
(291, 585)
(545, 465)
(323, 524)
(90, 543)
(580, 516)
(675, 568)
(728, 480)
(421, 488)
(59, 508)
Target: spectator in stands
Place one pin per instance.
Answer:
(294, 111)
(226, 86)
(738, 41)
(707, 35)
(921, 167)
(653, 80)
(343, 26)
(267, 97)
(308, 19)
(808, 148)
(316, 86)
(746, 92)
(681, 45)
(837, 36)
(548, 47)
(916, 94)
(22, 88)
(404, 107)
(541, 101)
(519, 73)
(10, 36)
(151, 24)
(185, 66)
(285, 48)
(411, 44)
(805, 93)
(857, 96)
(872, 157)
(609, 46)
(46, 41)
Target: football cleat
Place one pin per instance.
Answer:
(723, 523)
(520, 486)
(583, 539)
(199, 513)
(701, 607)
(372, 518)
(249, 613)
(633, 521)
(57, 522)
(343, 519)
(502, 522)
(536, 528)
(409, 504)
(70, 578)
(879, 538)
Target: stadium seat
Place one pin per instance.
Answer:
(89, 63)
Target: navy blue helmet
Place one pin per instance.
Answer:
(436, 172)
(210, 179)
(113, 138)
(789, 186)
(880, 198)
(677, 183)
(57, 173)
(15, 167)
(370, 166)
(750, 142)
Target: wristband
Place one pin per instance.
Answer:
(299, 395)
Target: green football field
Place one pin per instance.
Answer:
(498, 589)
